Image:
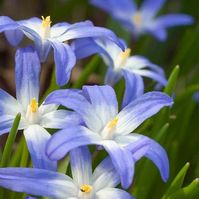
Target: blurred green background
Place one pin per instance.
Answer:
(176, 129)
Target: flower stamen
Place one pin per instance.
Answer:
(86, 188)
(45, 21)
(34, 105)
(137, 18)
(123, 56)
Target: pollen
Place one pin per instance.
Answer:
(124, 56)
(113, 123)
(137, 18)
(46, 22)
(86, 188)
(34, 105)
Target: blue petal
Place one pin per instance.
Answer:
(159, 157)
(60, 119)
(14, 37)
(85, 47)
(113, 193)
(27, 73)
(171, 20)
(81, 165)
(141, 145)
(37, 138)
(134, 87)
(77, 31)
(141, 109)
(70, 98)
(105, 175)
(119, 9)
(37, 182)
(112, 76)
(152, 6)
(6, 23)
(119, 156)
(64, 60)
(159, 33)
(65, 140)
(9, 107)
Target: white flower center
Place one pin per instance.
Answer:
(45, 28)
(32, 112)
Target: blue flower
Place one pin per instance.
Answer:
(83, 184)
(46, 37)
(34, 118)
(143, 20)
(121, 64)
(105, 126)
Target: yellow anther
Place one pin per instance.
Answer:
(137, 18)
(34, 105)
(46, 22)
(113, 123)
(124, 56)
(86, 188)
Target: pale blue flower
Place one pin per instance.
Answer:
(121, 64)
(83, 185)
(143, 19)
(34, 118)
(46, 37)
(106, 126)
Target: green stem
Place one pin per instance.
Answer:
(92, 65)
(10, 141)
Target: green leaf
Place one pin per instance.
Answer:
(10, 141)
(189, 192)
(169, 89)
(64, 165)
(177, 182)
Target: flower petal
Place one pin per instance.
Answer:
(77, 31)
(14, 37)
(113, 193)
(37, 138)
(8, 104)
(85, 47)
(105, 175)
(27, 75)
(59, 119)
(134, 87)
(141, 109)
(119, 9)
(103, 104)
(38, 182)
(152, 6)
(119, 156)
(141, 145)
(171, 20)
(65, 60)
(81, 165)
(112, 76)
(67, 139)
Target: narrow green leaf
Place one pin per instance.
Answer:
(189, 192)
(162, 132)
(92, 65)
(169, 89)
(177, 182)
(10, 141)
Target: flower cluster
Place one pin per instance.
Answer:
(94, 116)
